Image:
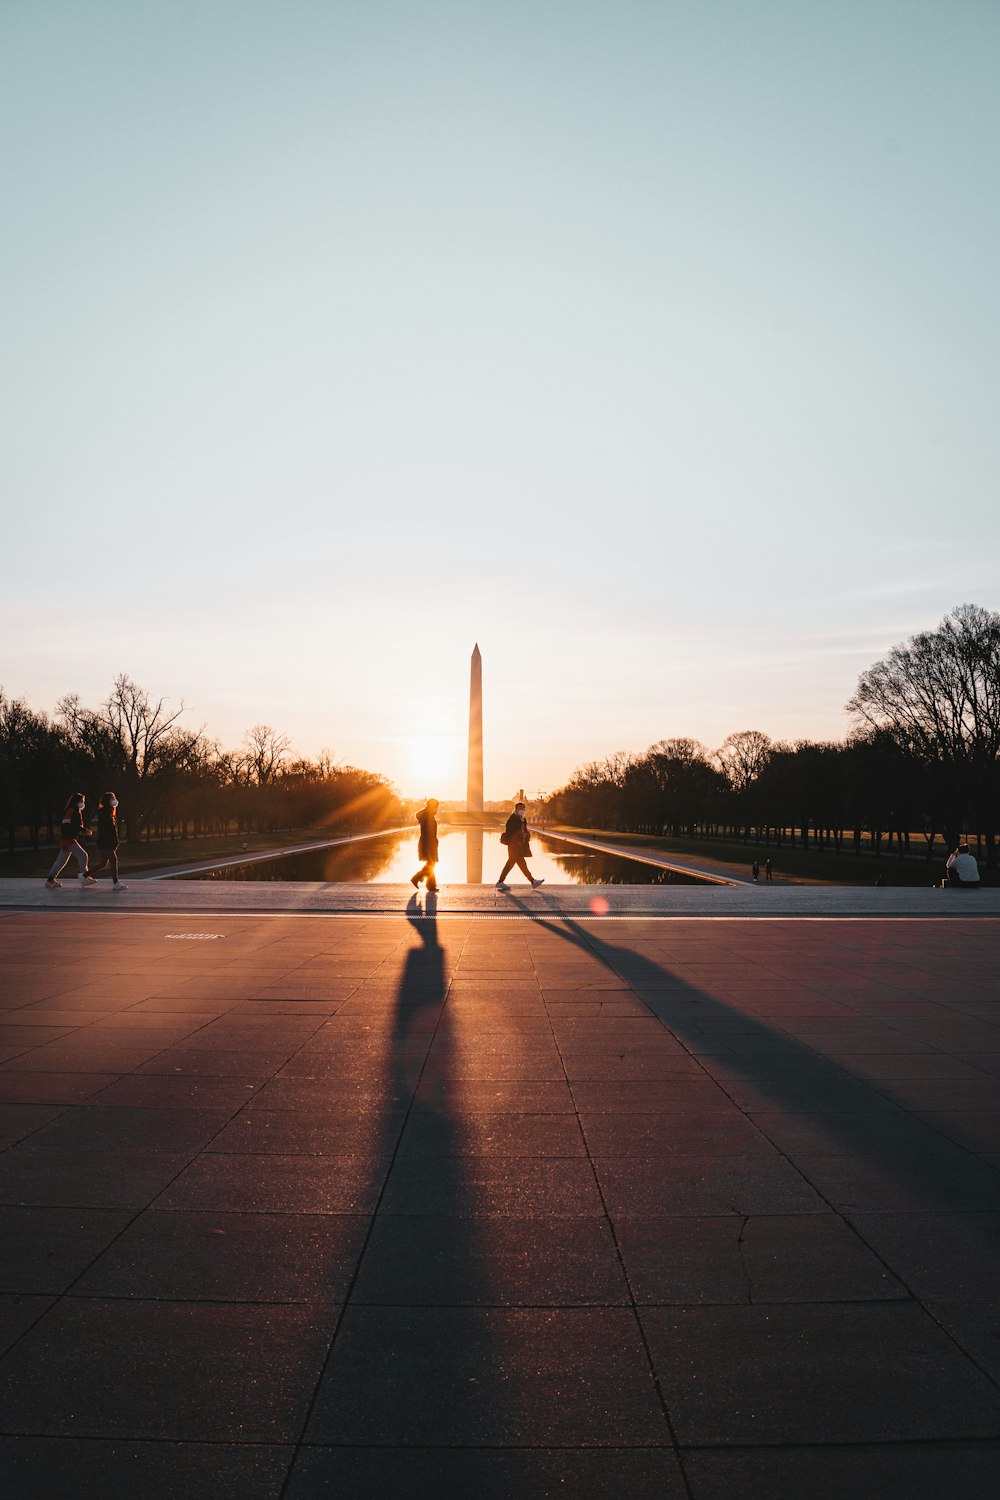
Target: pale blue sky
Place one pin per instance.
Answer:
(654, 346)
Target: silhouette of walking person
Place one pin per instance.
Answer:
(427, 848)
(768, 871)
(107, 838)
(71, 832)
(516, 837)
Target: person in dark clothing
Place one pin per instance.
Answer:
(107, 838)
(427, 848)
(768, 869)
(71, 833)
(517, 839)
(756, 871)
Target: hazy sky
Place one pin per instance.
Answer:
(655, 346)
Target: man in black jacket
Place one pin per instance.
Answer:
(427, 848)
(515, 836)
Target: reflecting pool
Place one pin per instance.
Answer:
(472, 856)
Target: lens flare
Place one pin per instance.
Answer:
(599, 906)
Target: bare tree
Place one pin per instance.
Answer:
(142, 743)
(743, 756)
(265, 751)
(939, 696)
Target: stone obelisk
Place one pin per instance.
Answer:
(474, 790)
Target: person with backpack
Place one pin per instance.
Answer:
(71, 833)
(108, 840)
(517, 839)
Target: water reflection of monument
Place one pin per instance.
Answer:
(474, 856)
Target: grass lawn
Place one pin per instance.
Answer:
(803, 866)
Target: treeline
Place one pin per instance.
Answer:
(922, 757)
(170, 781)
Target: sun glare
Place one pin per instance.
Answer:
(430, 765)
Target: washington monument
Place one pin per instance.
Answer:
(474, 790)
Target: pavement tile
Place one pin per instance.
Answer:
(439, 1261)
(206, 1062)
(630, 1067)
(83, 1056)
(46, 1249)
(755, 1184)
(278, 1184)
(975, 1326)
(328, 1094)
(499, 1096)
(668, 1096)
(841, 1373)
(171, 1370)
(532, 1067)
(709, 1133)
(882, 1067)
(183, 1256)
(787, 1096)
(490, 1134)
(483, 1186)
(841, 1132)
(330, 1132)
(905, 1180)
(527, 1474)
(976, 1130)
(178, 1091)
(763, 1258)
(490, 1377)
(18, 1311)
(95, 1469)
(24, 1036)
(896, 1471)
(373, 1069)
(924, 1094)
(82, 1178)
(100, 1128)
(18, 1121)
(954, 1256)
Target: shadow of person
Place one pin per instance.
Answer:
(414, 1362)
(811, 1107)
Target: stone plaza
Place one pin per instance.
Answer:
(362, 1199)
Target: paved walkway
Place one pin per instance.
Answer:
(690, 864)
(359, 1206)
(204, 897)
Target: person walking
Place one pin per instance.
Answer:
(517, 839)
(756, 871)
(768, 870)
(107, 839)
(71, 833)
(427, 848)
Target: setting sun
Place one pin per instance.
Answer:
(431, 762)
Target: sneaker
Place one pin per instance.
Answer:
(536, 883)
(86, 880)
(119, 885)
(53, 885)
(415, 882)
(501, 887)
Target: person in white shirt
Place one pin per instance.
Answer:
(962, 867)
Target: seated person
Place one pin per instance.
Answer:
(962, 868)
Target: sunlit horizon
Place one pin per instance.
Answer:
(657, 348)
